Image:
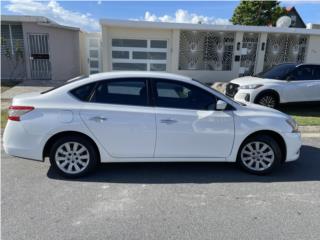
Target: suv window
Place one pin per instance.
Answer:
(303, 73)
(316, 72)
(83, 93)
(277, 72)
(131, 91)
(172, 94)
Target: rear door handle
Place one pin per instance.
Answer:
(98, 119)
(168, 121)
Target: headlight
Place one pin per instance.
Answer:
(251, 86)
(292, 124)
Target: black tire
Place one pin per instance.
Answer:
(89, 154)
(268, 99)
(244, 159)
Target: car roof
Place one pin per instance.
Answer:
(82, 80)
(132, 74)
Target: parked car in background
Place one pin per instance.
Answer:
(146, 117)
(284, 83)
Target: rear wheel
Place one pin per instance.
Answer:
(268, 100)
(259, 155)
(73, 156)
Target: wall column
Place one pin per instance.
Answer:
(261, 53)
(236, 65)
(175, 49)
(104, 49)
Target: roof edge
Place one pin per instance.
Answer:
(190, 26)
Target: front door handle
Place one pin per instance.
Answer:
(98, 119)
(168, 121)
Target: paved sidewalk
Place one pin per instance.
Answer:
(29, 86)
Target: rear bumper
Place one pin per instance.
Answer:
(19, 143)
(293, 142)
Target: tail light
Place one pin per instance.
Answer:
(15, 112)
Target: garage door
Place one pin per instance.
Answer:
(139, 54)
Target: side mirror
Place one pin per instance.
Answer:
(221, 105)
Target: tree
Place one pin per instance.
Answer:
(257, 13)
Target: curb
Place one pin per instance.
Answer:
(314, 130)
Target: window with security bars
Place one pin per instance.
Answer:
(282, 48)
(206, 50)
(12, 40)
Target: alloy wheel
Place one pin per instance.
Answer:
(72, 157)
(257, 156)
(268, 101)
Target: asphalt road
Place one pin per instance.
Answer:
(163, 201)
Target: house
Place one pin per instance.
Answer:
(39, 49)
(208, 53)
(296, 20)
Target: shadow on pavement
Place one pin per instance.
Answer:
(307, 168)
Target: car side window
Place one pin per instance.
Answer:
(131, 91)
(302, 73)
(172, 94)
(83, 93)
(316, 73)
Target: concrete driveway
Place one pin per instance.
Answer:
(163, 201)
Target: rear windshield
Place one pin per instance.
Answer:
(64, 84)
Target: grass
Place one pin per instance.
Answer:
(4, 116)
(306, 114)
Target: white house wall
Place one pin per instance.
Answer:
(313, 50)
(63, 50)
(110, 32)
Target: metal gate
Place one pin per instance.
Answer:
(39, 56)
(248, 53)
(283, 48)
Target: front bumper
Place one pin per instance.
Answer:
(294, 143)
(245, 95)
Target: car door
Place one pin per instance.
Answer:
(315, 83)
(302, 85)
(120, 117)
(188, 126)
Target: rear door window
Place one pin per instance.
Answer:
(131, 91)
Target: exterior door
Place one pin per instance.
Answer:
(120, 118)
(188, 124)
(40, 66)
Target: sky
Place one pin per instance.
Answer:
(86, 14)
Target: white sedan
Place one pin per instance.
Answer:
(146, 117)
(284, 83)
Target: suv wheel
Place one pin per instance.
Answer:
(73, 156)
(268, 100)
(259, 155)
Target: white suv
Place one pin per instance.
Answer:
(283, 83)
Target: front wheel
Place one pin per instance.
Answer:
(268, 100)
(73, 156)
(259, 155)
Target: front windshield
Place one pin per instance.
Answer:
(278, 72)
